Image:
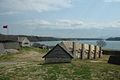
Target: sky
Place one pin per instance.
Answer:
(61, 18)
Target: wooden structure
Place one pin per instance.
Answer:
(11, 45)
(114, 59)
(59, 54)
(114, 56)
(24, 42)
(65, 51)
(83, 51)
(2, 49)
(7, 45)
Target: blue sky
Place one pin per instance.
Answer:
(61, 18)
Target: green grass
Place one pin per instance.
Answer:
(76, 70)
(33, 49)
(6, 57)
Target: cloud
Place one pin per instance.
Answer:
(67, 24)
(8, 13)
(70, 23)
(11, 6)
(59, 24)
(111, 0)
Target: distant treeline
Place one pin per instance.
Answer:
(108, 39)
(31, 38)
(113, 39)
(39, 38)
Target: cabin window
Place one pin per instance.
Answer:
(25, 43)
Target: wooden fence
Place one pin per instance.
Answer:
(83, 51)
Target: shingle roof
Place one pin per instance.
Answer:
(63, 47)
(20, 39)
(4, 38)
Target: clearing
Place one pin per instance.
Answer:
(29, 65)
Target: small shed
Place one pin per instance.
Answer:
(24, 42)
(59, 54)
(114, 60)
(8, 44)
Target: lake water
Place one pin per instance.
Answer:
(110, 44)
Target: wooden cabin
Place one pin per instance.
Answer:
(9, 46)
(24, 42)
(59, 54)
(114, 60)
(114, 56)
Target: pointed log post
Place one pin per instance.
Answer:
(82, 51)
(73, 49)
(89, 52)
(95, 52)
(100, 52)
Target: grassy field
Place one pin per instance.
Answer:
(29, 65)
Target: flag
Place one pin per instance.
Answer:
(6, 26)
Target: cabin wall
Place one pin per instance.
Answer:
(12, 45)
(2, 50)
(26, 43)
(57, 60)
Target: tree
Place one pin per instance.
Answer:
(101, 43)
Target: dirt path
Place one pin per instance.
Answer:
(7, 63)
(25, 57)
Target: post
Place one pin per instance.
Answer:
(95, 52)
(100, 52)
(73, 45)
(82, 51)
(7, 31)
(89, 52)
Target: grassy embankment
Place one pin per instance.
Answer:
(29, 65)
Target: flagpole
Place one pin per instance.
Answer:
(7, 31)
